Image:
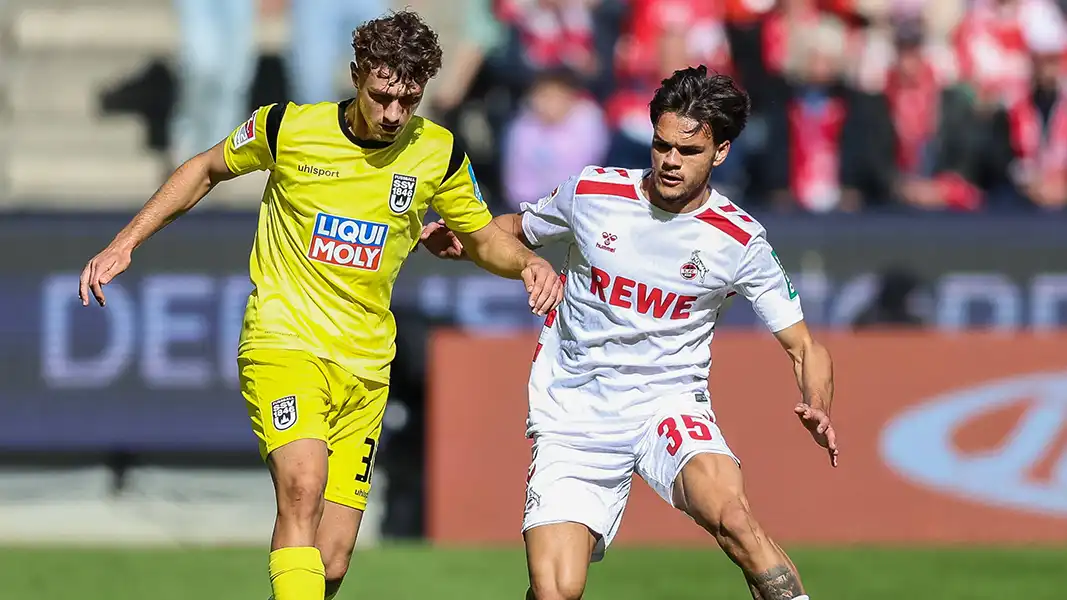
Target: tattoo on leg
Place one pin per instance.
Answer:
(779, 583)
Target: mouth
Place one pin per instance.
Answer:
(670, 179)
(390, 129)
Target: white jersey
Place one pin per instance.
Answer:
(644, 289)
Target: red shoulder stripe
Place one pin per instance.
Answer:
(724, 225)
(731, 208)
(606, 188)
(622, 172)
(601, 170)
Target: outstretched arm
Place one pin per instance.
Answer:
(548, 220)
(814, 372)
(442, 243)
(502, 249)
(497, 249)
(253, 146)
(183, 189)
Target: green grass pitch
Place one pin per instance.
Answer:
(416, 572)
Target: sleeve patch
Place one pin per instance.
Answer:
(788, 282)
(543, 202)
(474, 180)
(246, 133)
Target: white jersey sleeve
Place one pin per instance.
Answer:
(762, 280)
(550, 219)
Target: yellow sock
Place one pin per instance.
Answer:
(297, 574)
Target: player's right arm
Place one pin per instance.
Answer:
(536, 224)
(251, 147)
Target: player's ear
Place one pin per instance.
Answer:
(721, 152)
(354, 70)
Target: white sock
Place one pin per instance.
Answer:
(804, 597)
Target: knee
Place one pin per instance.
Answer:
(558, 585)
(300, 495)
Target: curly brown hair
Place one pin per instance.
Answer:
(402, 43)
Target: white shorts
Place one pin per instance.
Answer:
(580, 479)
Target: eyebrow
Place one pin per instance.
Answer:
(658, 140)
(399, 96)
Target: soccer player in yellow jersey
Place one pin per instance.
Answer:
(349, 186)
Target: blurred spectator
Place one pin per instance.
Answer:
(992, 48)
(661, 36)
(936, 129)
(696, 26)
(559, 130)
(320, 41)
(832, 147)
(1029, 145)
(481, 34)
(216, 62)
(548, 34)
(631, 143)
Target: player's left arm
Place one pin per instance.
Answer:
(763, 281)
(460, 204)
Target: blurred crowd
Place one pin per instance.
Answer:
(857, 104)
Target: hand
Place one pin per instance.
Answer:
(544, 284)
(1050, 192)
(818, 424)
(922, 193)
(441, 242)
(100, 271)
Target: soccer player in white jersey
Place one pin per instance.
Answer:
(620, 375)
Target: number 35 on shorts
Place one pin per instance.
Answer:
(676, 429)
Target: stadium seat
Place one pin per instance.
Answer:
(62, 152)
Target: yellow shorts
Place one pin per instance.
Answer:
(294, 395)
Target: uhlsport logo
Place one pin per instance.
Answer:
(318, 171)
(1003, 444)
(348, 242)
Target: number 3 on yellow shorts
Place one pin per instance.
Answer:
(294, 395)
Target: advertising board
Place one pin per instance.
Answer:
(156, 368)
(946, 438)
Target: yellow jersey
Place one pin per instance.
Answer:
(338, 217)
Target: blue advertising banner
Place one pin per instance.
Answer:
(156, 369)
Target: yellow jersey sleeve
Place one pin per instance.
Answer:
(253, 146)
(458, 199)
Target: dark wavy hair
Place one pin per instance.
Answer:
(402, 43)
(714, 101)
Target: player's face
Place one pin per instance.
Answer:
(683, 155)
(385, 103)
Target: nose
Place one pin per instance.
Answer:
(392, 113)
(672, 159)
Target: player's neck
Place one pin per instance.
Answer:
(687, 205)
(354, 121)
